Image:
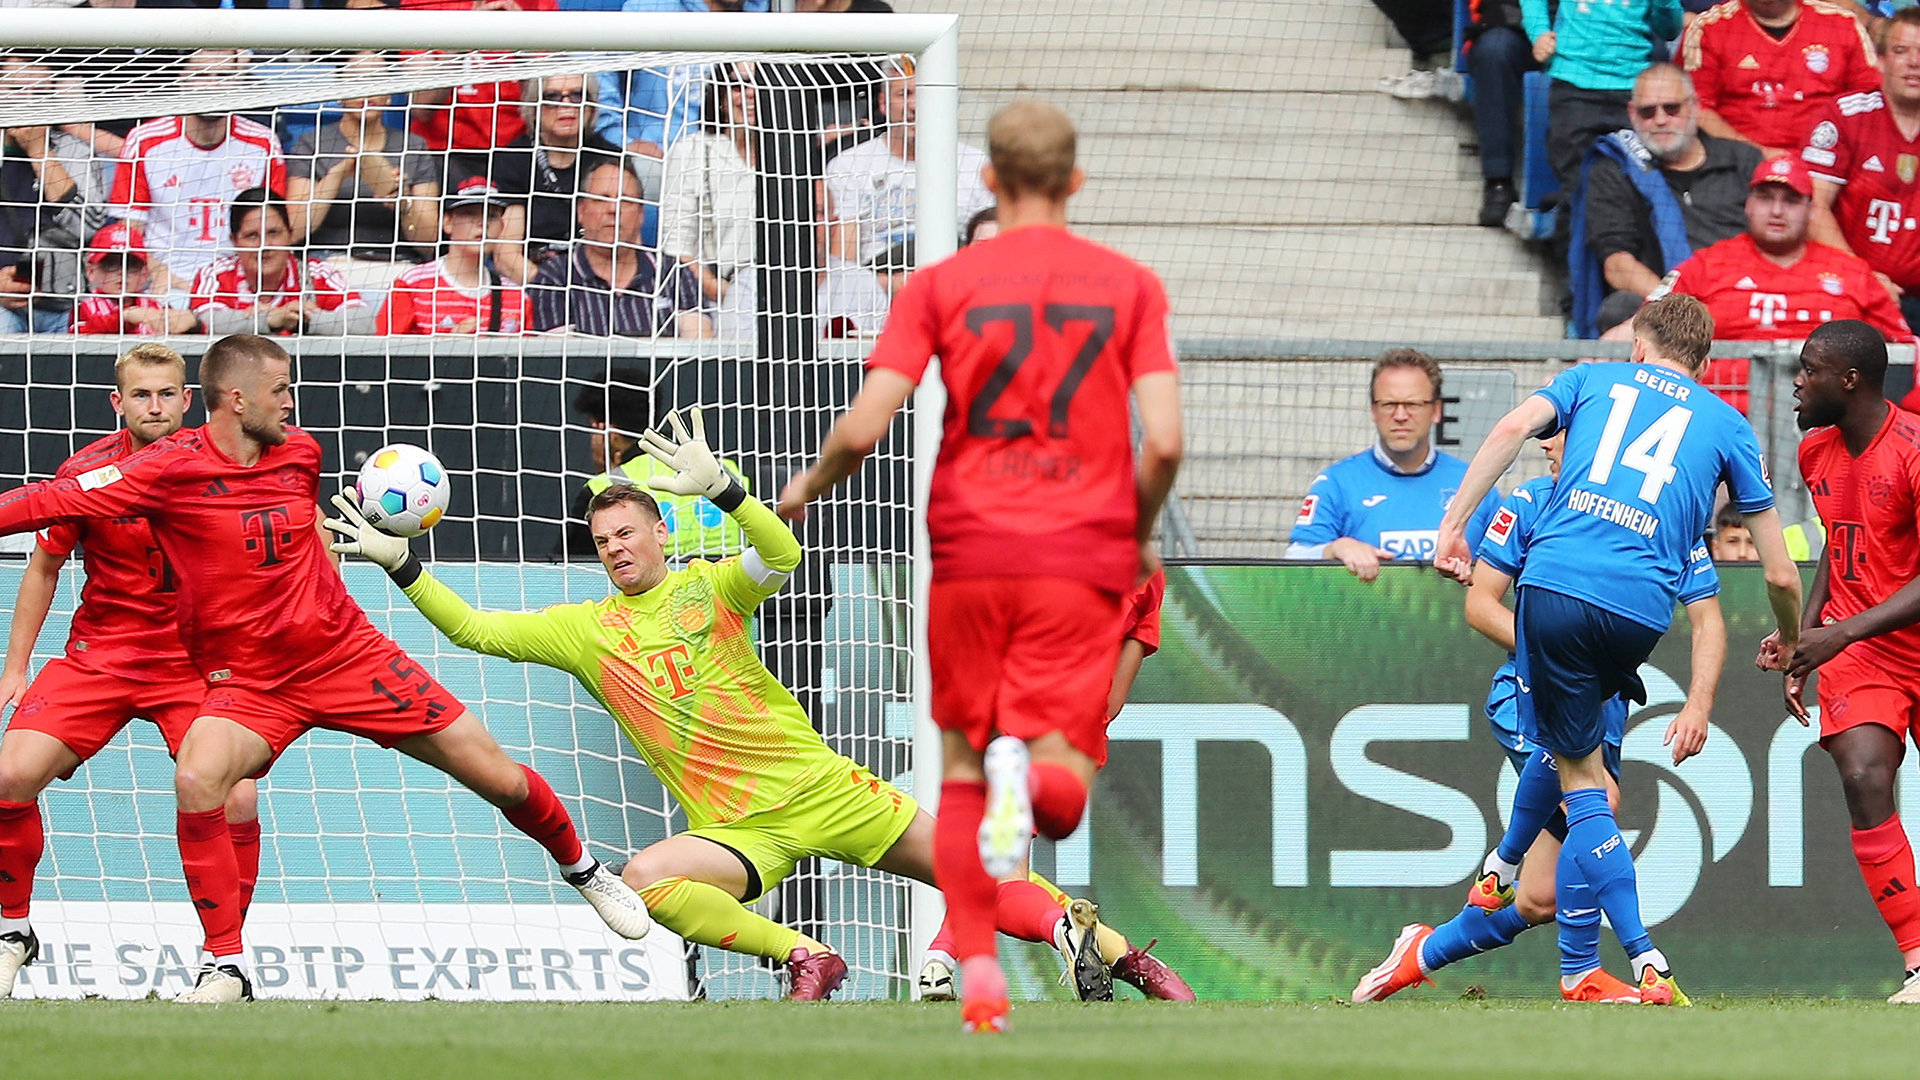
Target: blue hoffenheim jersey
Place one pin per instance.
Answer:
(1646, 448)
(1362, 497)
(1505, 549)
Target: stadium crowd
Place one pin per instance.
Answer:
(592, 204)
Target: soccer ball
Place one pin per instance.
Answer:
(403, 489)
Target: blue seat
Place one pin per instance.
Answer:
(589, 5)
(1537, 183)
(1462, 22)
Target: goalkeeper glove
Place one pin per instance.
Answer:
(359, 537)
(696, 471)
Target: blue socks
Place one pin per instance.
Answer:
(1534, 802)
(1597, 846)
(1470, 933)
(1579, 917)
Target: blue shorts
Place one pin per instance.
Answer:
(1518, 759)
(1570, 657)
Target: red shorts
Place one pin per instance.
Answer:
(1859, 689)
(84, 708)
(1023, 656)
(367, 687)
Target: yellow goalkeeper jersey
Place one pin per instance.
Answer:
(675, 667)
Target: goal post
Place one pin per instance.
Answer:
(128, 50)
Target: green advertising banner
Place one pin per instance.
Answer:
(1306, 767)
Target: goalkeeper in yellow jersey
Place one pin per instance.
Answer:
(670, 655)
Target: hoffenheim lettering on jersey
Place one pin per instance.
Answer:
(1646, 449)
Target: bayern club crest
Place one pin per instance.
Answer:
(1818, 59)
(1831, 284)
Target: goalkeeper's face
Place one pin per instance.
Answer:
(632, 546)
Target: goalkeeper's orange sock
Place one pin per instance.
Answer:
(213, 877)
(706, 914)
(246, 852)
(1059, 798)
(21, 842)
(541, 817)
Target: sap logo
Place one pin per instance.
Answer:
(1417, 544)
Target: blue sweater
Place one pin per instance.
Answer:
(1602, 44)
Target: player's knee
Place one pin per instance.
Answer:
(20, 781)
(641, 872)
(243, 802)
(1535, 907)
(197, 787)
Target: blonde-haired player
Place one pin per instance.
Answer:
(1039, 516)
(124, 658)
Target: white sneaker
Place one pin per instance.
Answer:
(618, 905)
(936, 978)
(1007, 830)
(219, 984)
(17, 950)
(1909, 992)
(1079, 946)
(1420, 85)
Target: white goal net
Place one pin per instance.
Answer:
(516, 241)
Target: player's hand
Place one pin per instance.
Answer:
(696, 470)
(1769, 658)
(1817, 646)
(1451, 555)
(13, 686)
(1543, 48)
(1150, 564)
(1796, 704)
(1361, 559)
(795, 497)
(1687, 734)
(359, 537)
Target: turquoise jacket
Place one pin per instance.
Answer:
(1602, 44)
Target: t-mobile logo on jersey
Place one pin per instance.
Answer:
(1766, 307)
(1883, 217)
(268, 532)
(670, 667)
(206, 216)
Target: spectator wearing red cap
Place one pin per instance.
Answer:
(456, 293)
(118, 277)
(265, 288)
(1865, 160)
(1772, 283)
(1766, 70)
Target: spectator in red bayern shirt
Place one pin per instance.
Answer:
(264, 288)
(456, 293)
(1765, 70)
(119, 302)
(1771, 283)
(1865, 160)
(475, 117)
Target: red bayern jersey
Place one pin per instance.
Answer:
(101, 314)
(1858, 145)
(1753, 298)
(125, 623)
(180, 190)
(1871, 508)
(1041, 334)
(424, 300)
(222, 283)
(482, 115)
(1140, 614)
(258, 596)
(1773, 91)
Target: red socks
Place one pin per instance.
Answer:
(969, 890)
(1886, 862)
(1027, 911)
(213, 877)
(21, 842)
(542, 817)
(246, 852)
(1059, 798)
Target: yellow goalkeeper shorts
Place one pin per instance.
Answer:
(851, 815)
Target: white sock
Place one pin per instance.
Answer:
(14, 926)
(1653, 958)
(237, 960)
(586, 863)
(1500, 868)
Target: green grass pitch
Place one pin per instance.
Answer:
(1792, 1040)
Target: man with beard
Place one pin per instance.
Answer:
(1703, 177)
(1862, 468)
(1865, 159)
(1771, 283)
